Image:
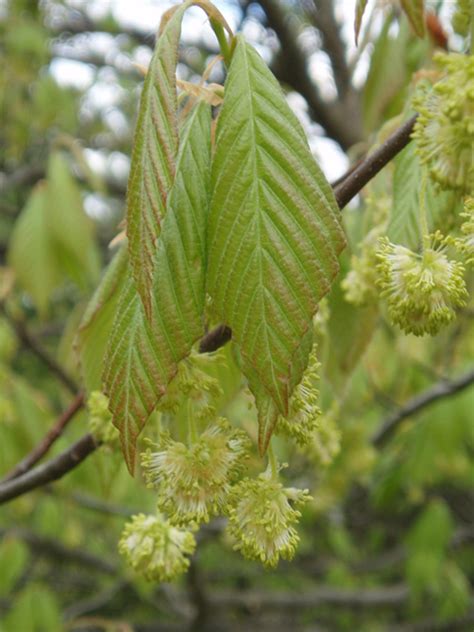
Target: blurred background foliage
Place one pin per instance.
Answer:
(388, 541)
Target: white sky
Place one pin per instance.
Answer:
(103, 93)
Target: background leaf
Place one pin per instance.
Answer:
(274, 231)
(143, 354)
(404, 221)
(415, 12)
(96, 324)
(359, 14)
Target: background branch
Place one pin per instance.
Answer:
(48, 440)
(440, 390)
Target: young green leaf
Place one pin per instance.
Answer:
(404, 221)
(415, 12)
(154, 153)
(274, 232)
(32, 254)
(155, 147)
(96, 324)
(143, 352)
(72, 230)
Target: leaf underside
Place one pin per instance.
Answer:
(274, 231)
(143, 352)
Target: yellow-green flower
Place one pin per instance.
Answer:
(192, 383)
(465, 243)
(444, 130)
(193, 481)
(156, 549)
(263, 516)
(422, 290)
(100, 419)
(302, 420)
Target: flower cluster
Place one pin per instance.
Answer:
(462, 17)
(444, 129)
(262, 518)
(326, 442)
(465, 243)
(156, 549)
(192, 383)
(194, 481)
(100, 419)
(302, 421)
(359, 284)
(422, 290)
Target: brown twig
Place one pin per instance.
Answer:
(50, 471)
(440, 390)
(30, 342)
(45, 444)
(373, 163)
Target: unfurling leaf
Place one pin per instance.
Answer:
(154, 153)
(274, 231)
(415, 12)
(143, 352)
(155, 146)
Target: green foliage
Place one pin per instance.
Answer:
(143, 354)
(53, 239)
(274, 230)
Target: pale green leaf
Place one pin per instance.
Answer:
(274, 231)
(96, 324)
(70, 227)
(143, 352)
(415, 12)
(154, 152)
(32, 254)
(359, 14)
(404, 221)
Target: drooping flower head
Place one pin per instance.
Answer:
(302, 420)
(422, 290)
(444, 130)
(193, 481)
(156, 549)
(100, 419)
(263, 516)
(192, 383)
(326, 441)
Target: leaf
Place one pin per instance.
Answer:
(155, 147)
(32, 253)
(154, 151)
(349, 332)
(72, 230)
(359, 13)
(415, 12)
(96, 324)
(143, 353)
(274, 231)
(404, 222)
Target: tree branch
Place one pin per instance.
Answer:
(330, 114)
(357, 178)
(45, 444)
(29, 342)
(440, 390)
(49, 471)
